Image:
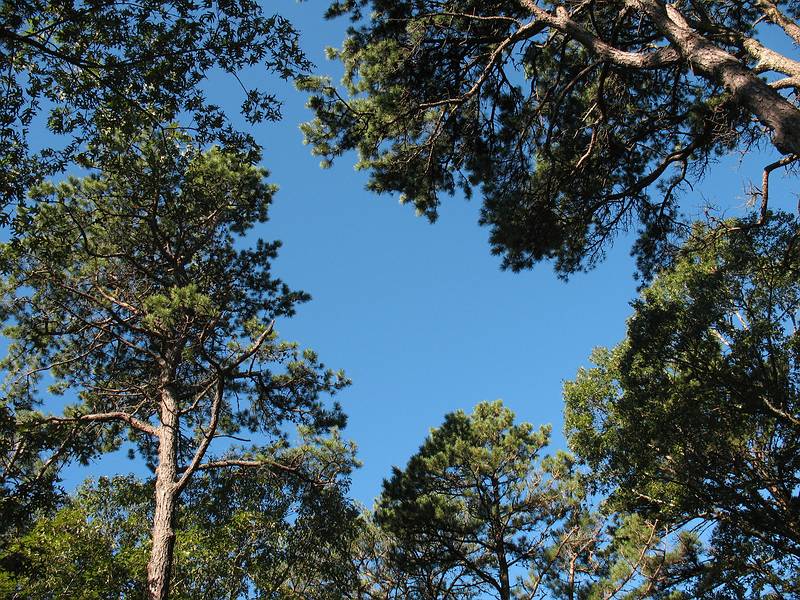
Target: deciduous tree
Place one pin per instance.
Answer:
(80, 69)
(239, 534)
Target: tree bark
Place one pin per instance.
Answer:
(767, 105)
(505, 579)
(159, 566)
(764, 102)
(498, 530)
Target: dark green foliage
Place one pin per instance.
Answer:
(573, 120)
(82, 68)
(251, 536)
(27, 481)
(695, 414)
(478, 512)
(473, 505)
(131, 295)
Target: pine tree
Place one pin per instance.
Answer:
(130, 294)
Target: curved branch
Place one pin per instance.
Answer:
(526, 31)
(29, 41)
(561, 21)
(254, 347)
(207, 437)
(766, 104)
(122, 416)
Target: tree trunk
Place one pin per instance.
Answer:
(505, 581)
(159, 566)
(498, 531)
(768, 106)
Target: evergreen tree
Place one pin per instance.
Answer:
(479, 513)
(574, 120)
(695, 415)
(130, 294)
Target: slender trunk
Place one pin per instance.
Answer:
(505, 582)
(571, 586)
(160, 563)
(498, 529)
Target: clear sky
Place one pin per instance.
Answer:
(420, 316)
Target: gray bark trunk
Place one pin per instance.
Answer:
(160, 564)
(767, 105)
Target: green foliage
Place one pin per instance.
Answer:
(695, 414)
(130, 293)
(478, 512)
(82, 69)
(567, 141)
(119, 267)
(472, 502)
(252, 536)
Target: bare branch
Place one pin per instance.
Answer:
(769, 60)
(774, 14)
(207, 437)
(562, 22)
(524, 32)
(769, 107)
(256, 345)
(134, 422)
(762, 216)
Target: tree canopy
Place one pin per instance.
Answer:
(140, 314)
(238, 535)
(81, 69)
(695, 414)
(479, 512)
(127, 289)
(574, 120)
(471, 502)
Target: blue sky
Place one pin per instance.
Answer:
(420, 316)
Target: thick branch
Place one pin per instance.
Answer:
(769, 107)
(247, 464)
(114, 300)
(769, 60)
(292, 468)
(762, 100)
(241, 462)
(786, 83)
(562, 22)
(778, 18)
(138, 424)
(786, 160)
